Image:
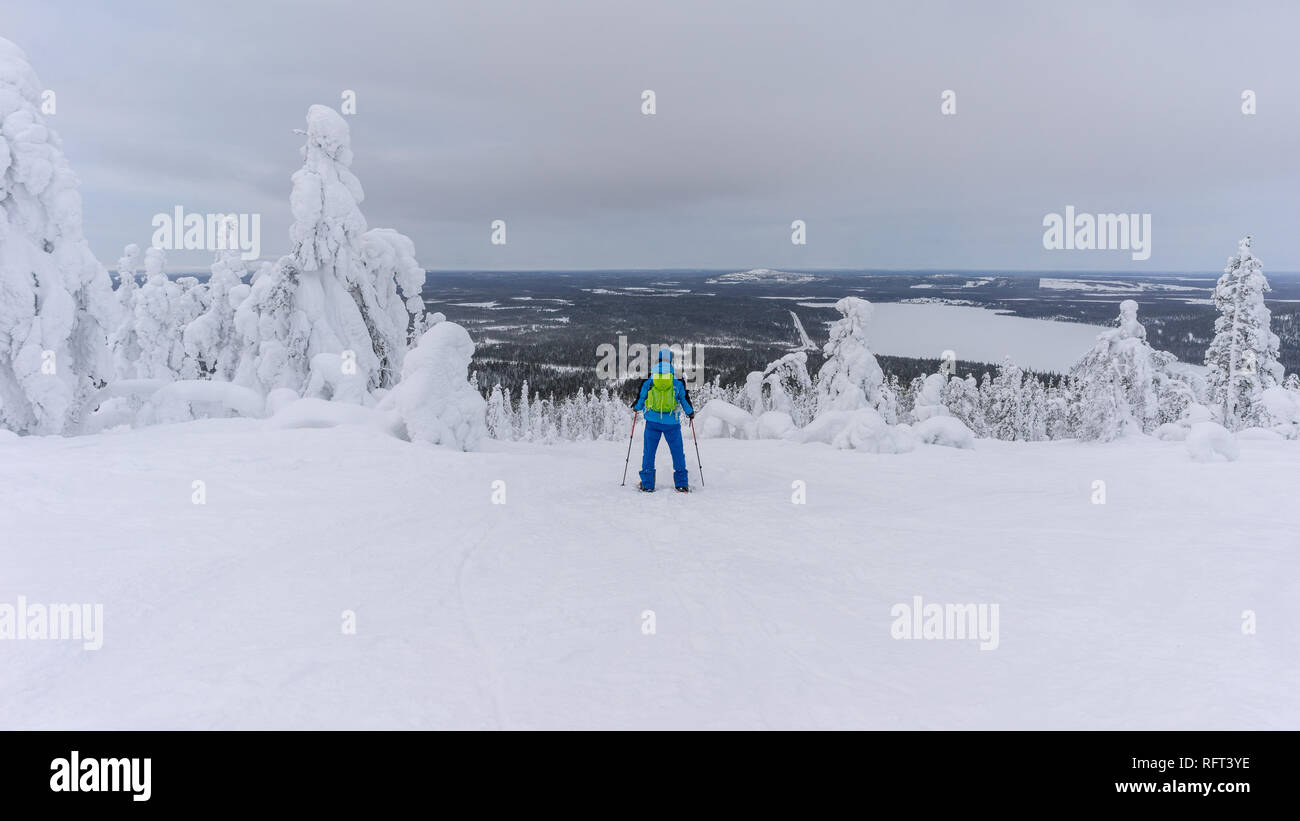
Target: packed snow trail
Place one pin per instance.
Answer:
(529, 614)
(805, 342)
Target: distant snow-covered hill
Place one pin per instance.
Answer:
(763, 275)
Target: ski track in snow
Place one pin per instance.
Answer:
(528, 614)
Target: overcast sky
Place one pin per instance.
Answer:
(530, 112)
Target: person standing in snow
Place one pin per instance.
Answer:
(662, 396)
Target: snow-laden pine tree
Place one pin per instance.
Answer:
(1123, 385)
(928, 397)
(1034, 409)
(1242, 358)
(122, 340)
(344, 290)
(210, 340)
(126, 281)
(192, 301)
(1057, 402)
(783, 386)
(850, 378)
(389, 297)
(56, 299)
(524, 417)
(498, 424)
(157, 321)
(1002, 401)
(962, 399)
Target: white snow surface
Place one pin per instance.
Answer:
(529, 614)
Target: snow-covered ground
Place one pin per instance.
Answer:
(529, 614)
(978, 335)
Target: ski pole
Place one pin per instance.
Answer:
(697, 452)
(629, 449)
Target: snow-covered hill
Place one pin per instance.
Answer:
(531, 613)
(763, 275)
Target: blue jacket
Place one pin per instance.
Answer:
(665, 365)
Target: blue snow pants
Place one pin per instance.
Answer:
(673, 435)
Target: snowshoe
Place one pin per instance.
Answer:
(683, 490)
(644, 489)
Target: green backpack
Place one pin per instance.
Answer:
(663, 396)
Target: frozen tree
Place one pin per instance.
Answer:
(928, 399)
(1033, 409)
(784, 386)
(498, 424)
(1057, 404)
(524, 417)
(389, 297)
(1002, 400)
(56, 301)
(191, 303)
(1121, 383)
(126, 282)
(433, 397)
(273, 333)
(210, 340)
(157, 321)
(123, 341)
(344, 290)
(962, 399)
(1242, 358)
(850, 378)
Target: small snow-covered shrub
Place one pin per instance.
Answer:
(1170, 432)
(1280, 410)
(720, 418)
(1205, 440)
(944, 430)
(862, 429)
(434, 398)
(334, 377)
(775, 425)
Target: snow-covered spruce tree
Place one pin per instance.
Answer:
(192, 301)
(210, 340)
(1058, 402)
(344, 290)
(1242, 358)
(788, 387)
(928, 397)
(1034, 409)
(56, 299)
(157, 321)
(1124, 385)
(498, 424)
(962, 399)
(126, 281)
(850, 378)
(122, 340)
(524, 417)
(1002, 400)
(389, 297)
